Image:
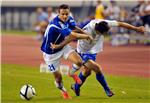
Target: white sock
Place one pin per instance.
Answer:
(60, 86)
(74, 69)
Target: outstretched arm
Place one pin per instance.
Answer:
(70, 38)
(79, 30)
(129, 26)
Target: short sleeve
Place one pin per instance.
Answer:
(49, 30)
(72, 23)
(65, 32)
(112, 22)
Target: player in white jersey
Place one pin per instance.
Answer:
(89, 49)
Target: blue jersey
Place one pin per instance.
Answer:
(56, 32)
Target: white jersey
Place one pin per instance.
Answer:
(85, 46)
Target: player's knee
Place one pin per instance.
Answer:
(58, 85)
(87, 72)
(58, 77)
(79, 63)
(98, 69)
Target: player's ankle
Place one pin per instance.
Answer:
(65, 95)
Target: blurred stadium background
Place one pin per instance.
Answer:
(25, 15)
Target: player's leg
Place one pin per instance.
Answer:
(53, 62)
(77, 64)
(83, 76)
(72, 56)
(99, 76)
(86, 71)
(90, 64)
(59, 84)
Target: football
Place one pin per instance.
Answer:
(27, 92)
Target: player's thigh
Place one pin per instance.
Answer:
(52, 61)
(58, 76)
(53, 66)
(71, 55)
(86, 71)
(93, 66)
(75, 58)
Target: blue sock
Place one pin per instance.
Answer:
(102, 81)
(83, 78)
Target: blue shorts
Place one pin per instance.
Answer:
(86, 57)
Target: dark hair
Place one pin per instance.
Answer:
(102, 27)
(64, 6)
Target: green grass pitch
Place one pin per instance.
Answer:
(127, 89)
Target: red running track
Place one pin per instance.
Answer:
(132, 60)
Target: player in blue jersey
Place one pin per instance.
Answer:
(61, 28)
(89, 49)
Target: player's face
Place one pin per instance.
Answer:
(64, 14)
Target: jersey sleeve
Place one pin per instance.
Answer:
(65, 32)
(72, 23)
(50, 31)
(112, 23)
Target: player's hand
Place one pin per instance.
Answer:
(90, 38)
(141, 29)
(54, 46)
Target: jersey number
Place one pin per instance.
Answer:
(51, 67)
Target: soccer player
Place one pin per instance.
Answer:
(88, 50)
(59, 29)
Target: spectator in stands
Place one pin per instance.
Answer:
(99, 12)
(41, 15)
(113, 13)
(136, 9)
(123, 14)
(146, 22)
(41, 23)
(45, 18)
(145, 13)
(51, 14)
(134, 17)
(123, 17)
(113, 10)
(140, 16)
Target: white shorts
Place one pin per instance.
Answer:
(53, 60)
